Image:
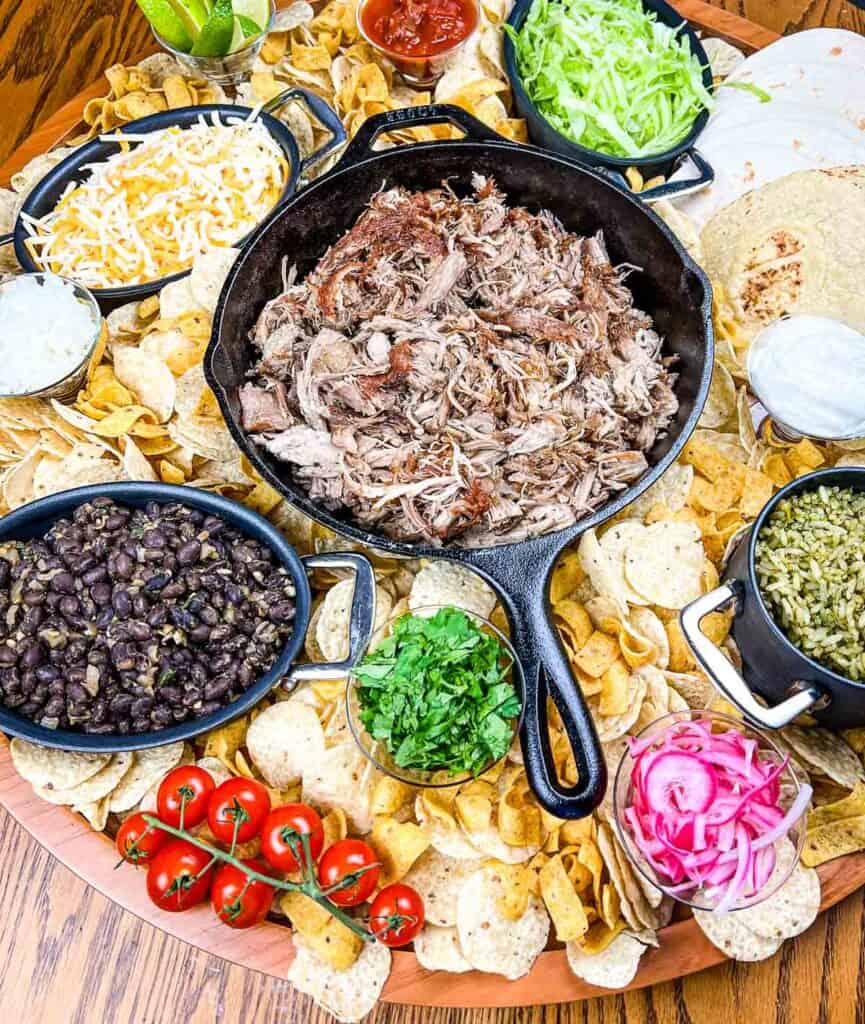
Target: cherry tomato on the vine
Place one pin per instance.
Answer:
(238, 901)
(237, 810)
(183, 796)
(345, 860)
(137, 842)
(179, 877)
(282, 828)
(396, 915)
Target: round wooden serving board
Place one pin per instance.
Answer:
(268, 947)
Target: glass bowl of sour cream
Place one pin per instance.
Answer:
(51, 328)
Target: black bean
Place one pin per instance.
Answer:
(8, 655)
(63, 583)
(33, 656)
(34, 595)
(104, 618)
(140, 605)
(69, 606)
(54, 707)
(156, 582)
(101, 592)
(95, 575)
(121, 703)
(189, 553)
(200, 635)
(4, 572)
(123, 566)
(47, 673)
(121, 602)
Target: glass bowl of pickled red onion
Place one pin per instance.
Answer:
(709, 810)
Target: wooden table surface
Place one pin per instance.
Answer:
(69, 956)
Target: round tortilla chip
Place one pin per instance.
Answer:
(597, 565)
(208, 274)
(665, 565)
(54, 769)
(438, 949)
(332, 625)
(340, 778)
(449, 583)
(349, 995)
(284, 741)
(489, 841)
(614, 542)
(93, 789)
(645, 622)
(448, 839)
(721, 400)
(215, 769)
(732, 936)
(439, 880)
(489, 941)
(671, 490)
(148, 768)
(613, 967)
(612, 727)
(827, 753)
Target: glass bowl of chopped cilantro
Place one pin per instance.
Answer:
(436, 698)
(617, 83)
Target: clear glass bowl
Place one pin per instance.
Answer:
(229, 69)
(70, 383)
(378, 753)
(766, 750)
(418, 71)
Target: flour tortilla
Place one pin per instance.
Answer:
(785, 249)
(834, 46)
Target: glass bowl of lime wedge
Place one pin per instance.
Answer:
(214, 39)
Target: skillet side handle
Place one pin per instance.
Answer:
(548, 673)
(360, 624)
(321, 111)
(688, 186)
(724, 674)
(414, 117)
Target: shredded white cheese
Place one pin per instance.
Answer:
(147, 211)
(47, 332)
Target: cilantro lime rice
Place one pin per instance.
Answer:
(437, 693)
(810, 565)
(609, 76)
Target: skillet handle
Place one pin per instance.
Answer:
(548, 673)
(414, 117)
(686, 186)
(6, 239)
(321, 111)
(360, 623)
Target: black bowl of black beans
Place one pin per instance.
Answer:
(133, 615)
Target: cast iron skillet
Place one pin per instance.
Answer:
(542, 133)
(671, 288)
(36, 518)
(75, 168)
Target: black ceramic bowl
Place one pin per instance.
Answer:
(75, 168)
(35, 519)
(543, 134)
(771, 665)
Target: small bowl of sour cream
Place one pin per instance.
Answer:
(51, 327)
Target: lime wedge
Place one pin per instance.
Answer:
(215, 37)
(167, 23)
(244, 28)
(256, 11)
(193, 15)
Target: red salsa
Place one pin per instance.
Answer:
(418, 28)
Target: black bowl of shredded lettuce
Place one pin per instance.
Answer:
(613, 83)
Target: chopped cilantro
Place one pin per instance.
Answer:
(436, 693)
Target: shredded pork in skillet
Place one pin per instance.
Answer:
(459, 370)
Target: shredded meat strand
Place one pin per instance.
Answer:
(457, 370)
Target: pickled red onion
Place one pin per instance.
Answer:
(705, 810)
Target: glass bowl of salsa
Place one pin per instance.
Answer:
(418, 36)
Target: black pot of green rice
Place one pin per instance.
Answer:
(799, 574)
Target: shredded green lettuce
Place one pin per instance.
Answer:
(609, 76)
(755, 90)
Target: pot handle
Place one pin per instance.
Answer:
(687, 186)
(321, 111)
(360, 624)
(414, 117)
(723, 672)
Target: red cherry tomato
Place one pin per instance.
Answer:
(137, 842)
(237, 901)
(178, 877)
(183, 796)
(396, 915)
(238, 804)
(344, 860)
(285, 825)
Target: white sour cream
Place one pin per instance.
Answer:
(809, 372)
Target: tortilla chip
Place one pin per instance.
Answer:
(398, 845)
